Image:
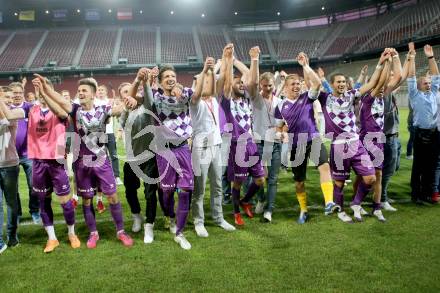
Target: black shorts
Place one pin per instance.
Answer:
(302, 151)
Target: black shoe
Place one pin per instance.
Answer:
(418, 201)
(428, 200)
(12, 242)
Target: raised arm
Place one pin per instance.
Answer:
(244, 70)
(315, 81)
(383, 78)
(375, 77)
(429, 53)
(224, 83)
(217, 66)
(411, 61)
(324, 82)
(252, 84)
(207, 70)
(362, 75)
(53, 106)
(411, 81)
(56, 97)
(396, 66)
(140, 80)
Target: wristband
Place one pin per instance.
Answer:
(255, 59)
(396, 56)
(379, 66)
(430, 57)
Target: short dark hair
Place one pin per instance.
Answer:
(90, 82)
(333, 76)
(164, 68)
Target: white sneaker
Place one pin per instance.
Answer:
(267, 216)
(363, 212)
(201, 230)
(259, 208)
(357, 212)
(386, 206)
(225, 225)
(3, 248)
(181, 240)
(378, 214)
(137, 223)
(148, 234)
(344, 217)
(173, 227)
(119, 181)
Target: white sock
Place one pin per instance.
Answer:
(71, 229)
(51, 232)
(99, 198)
(75, 197)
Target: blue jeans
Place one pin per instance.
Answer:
(391, 162)
(226, 185)
(34, 203)
(436, 187)
(272, 155)
(1, 218)
(409, 146)
(113, 153)
(9, 186)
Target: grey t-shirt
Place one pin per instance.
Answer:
(8, 151)
(391, 115)
(134, 122)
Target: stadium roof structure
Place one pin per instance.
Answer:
(177, 11)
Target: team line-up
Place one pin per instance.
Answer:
(233, 121)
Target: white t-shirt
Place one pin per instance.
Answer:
(105, 102)
(264, 124)
(205, 122)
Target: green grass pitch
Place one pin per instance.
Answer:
(324, 255)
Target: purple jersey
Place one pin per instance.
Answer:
(22, 129)
(339, 113)
(174, 113)
(298, 115)
(371, 114)
(238, 112)
(91, 125)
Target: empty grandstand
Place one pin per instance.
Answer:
(355, 33)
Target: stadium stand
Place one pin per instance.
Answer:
(98, 49)
(138, 45)
(177, 45)
(19, 49)
(212, 41)
(59, 46)
(411, 21)
(243, 41)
